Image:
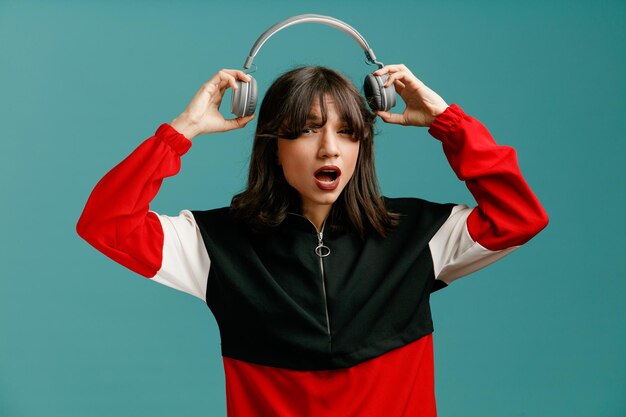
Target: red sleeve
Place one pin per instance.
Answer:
(508, 213)
(116, 220)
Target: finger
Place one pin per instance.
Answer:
(399, 86)
(215, 88)
(384, 70)
(220, 81)
(390, 69)
(238, 122)
(226, 79)
(237, 74)
(406, 78)
(394, 118)
(400, 75)
(243, 76)
(394, 69)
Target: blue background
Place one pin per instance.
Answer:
(540, 333)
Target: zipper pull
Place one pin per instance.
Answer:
(321, 250)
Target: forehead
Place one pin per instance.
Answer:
(315, 111)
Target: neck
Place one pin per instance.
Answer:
(317, 215)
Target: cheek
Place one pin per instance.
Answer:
(353, 156)
(290, 164)
(289, 174)
(288, 152)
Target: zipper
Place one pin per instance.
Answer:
(321, 251)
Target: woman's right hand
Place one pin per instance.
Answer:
(202, 115)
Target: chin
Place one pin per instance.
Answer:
(332, 198)
(324, 200)
(327, 201)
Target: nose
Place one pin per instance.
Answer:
(329, 145)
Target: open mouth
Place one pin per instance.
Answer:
(327, 177)
(328, 174)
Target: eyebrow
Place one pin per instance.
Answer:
(314, 117)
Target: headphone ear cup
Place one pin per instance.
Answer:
(236, 106)
(244, 98)
(379, 97)
(252, 98)
(390, 94)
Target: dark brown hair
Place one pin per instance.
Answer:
(285, 107)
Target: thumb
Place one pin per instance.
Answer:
(239, 122)
(391, 117)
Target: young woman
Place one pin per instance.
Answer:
(320, 286)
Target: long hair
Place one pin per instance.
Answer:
(268, 197)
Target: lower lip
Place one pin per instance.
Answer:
(327, 186)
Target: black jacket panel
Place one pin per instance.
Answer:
(277, 303)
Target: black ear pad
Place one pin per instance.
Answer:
(379, 97)
(244, 98)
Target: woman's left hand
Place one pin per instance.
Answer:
(423, 105)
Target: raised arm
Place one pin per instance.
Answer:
(507, 214)
(117, 220)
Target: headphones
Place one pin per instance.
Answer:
(244, 99)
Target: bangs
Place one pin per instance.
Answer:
(348, 102)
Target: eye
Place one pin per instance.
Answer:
(309, 129)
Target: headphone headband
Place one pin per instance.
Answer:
(313, 18)
(244, 98)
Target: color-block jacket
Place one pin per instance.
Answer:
(347, 334)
